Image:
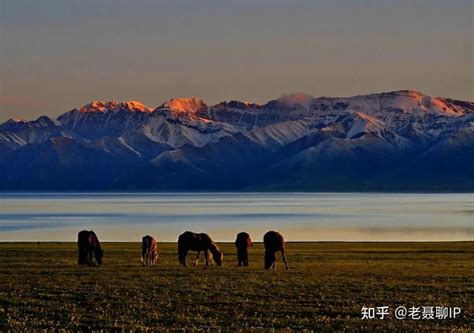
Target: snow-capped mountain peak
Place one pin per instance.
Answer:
(188, 105)
(16, 121)
(134, 106)
(94, 106)
(100, 106)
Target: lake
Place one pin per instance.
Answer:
(299, 216)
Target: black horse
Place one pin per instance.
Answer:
(89, 247)
(243, 243)
(274, 242)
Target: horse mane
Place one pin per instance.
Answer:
(214, 249)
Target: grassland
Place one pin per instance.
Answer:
(42, 288)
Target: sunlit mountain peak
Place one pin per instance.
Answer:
(192, 105)
(100, 106)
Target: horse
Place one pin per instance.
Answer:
(273, 242)
(198, 242)
(243, 243)
(149, 251)
(89, 247)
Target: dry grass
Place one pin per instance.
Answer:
(42, 288)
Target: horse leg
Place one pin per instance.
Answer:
(284, 259)
(197, 258)
(149, 262)
(81, 257)
(206, 254)
(185, 264)
(89, 257)
(182, 257)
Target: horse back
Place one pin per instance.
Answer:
(148, 244)
(243, 241)
(194, 241)
(274, 241)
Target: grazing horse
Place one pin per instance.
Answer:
(149, 250)
(198, 242)
(274, 242)
(243, 243)
(89, 246)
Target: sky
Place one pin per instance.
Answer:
(62, 54)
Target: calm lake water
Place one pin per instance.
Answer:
(299, 216)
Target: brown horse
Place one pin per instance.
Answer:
(243, 243)
(198, 242)
(274, 242)
(89, 246)
(149, 250)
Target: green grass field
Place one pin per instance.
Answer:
(41, 287)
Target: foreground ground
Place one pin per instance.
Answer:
(42, 288)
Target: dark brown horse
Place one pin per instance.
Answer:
(89, 247)
(198, 242)
(149, 250)
(243, 243)
(274, 242)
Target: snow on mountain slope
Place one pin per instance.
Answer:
(16, 126)
(403, 102)
(11, 141)
(179, 131)
(361, 124)
(408, 115)
(277, 135)
(364, 124)
(98, 119)
(454, 144)
(334, 149)
(174, 123)
(29, 132)
(412, 115)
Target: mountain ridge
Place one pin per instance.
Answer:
(370, 142)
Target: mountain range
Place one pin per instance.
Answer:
(393, 141)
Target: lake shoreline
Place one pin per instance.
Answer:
(323, 217)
